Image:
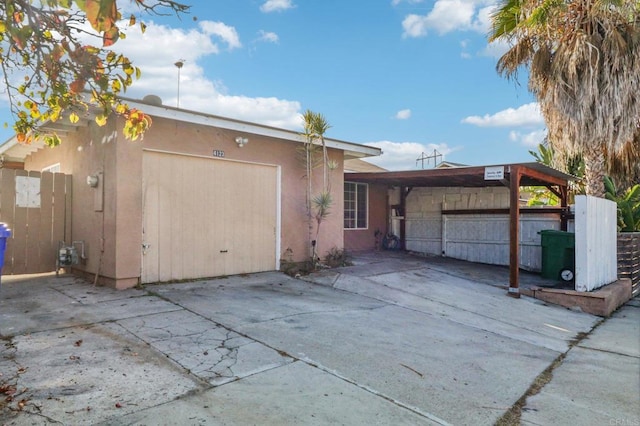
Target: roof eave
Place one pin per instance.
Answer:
(351, 150)
(13, 149)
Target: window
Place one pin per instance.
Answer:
(54, 168)
(355, 205)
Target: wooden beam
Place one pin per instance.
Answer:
(514, 232)
(523, 210)
(16, 165)
(554, 191)
(542, 177)
(564, 203)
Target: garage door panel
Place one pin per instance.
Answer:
(209, 217)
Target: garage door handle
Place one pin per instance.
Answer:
(224, 251)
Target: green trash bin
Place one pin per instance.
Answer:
(558, 254)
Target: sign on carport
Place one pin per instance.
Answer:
(494, 173)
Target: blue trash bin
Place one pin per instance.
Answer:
(5, 233)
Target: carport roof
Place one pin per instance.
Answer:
(511, 175)
(532, 174)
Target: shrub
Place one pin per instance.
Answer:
(337, 257)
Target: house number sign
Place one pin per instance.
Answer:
(218, 153)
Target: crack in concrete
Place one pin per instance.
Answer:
(299, 314)
(13, 396)
(608, 352)
(202, 362)
(372, 391)
(514, 414)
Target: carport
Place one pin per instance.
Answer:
(512, 176)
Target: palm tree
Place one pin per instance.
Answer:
(625, 167)
(583, 58)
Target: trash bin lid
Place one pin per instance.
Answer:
(5, 232)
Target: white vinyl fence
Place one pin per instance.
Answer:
(596, 242)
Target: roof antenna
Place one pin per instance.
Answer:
(179, 65)
(426, 157)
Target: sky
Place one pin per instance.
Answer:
(407, 76)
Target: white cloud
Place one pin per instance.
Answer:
(464, 44)
(397, 2)
(531, 139)
(227, 33)
(450, 15)
(197, 91)
(403, 155)
(403, 114)
(276, 5)
(268, 37)
(495, 49)
(414, 26)
(482, 23)
(524, 116)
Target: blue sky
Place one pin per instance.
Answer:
(409, 76)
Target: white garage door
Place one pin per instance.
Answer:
(207, 217)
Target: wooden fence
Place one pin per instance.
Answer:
(629, 258)
(37, 208)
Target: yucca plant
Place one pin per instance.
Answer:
(628, 205)
(315, 126)
(322, 203)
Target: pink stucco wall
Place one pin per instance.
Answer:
(364, 239)
(113, 236)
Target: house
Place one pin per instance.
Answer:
(449, 164)
(356, 165)
(199, 196)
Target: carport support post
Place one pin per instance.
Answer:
(514, 231)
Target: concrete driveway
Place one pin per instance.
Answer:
(391, 340)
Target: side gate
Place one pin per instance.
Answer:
(37, 208)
